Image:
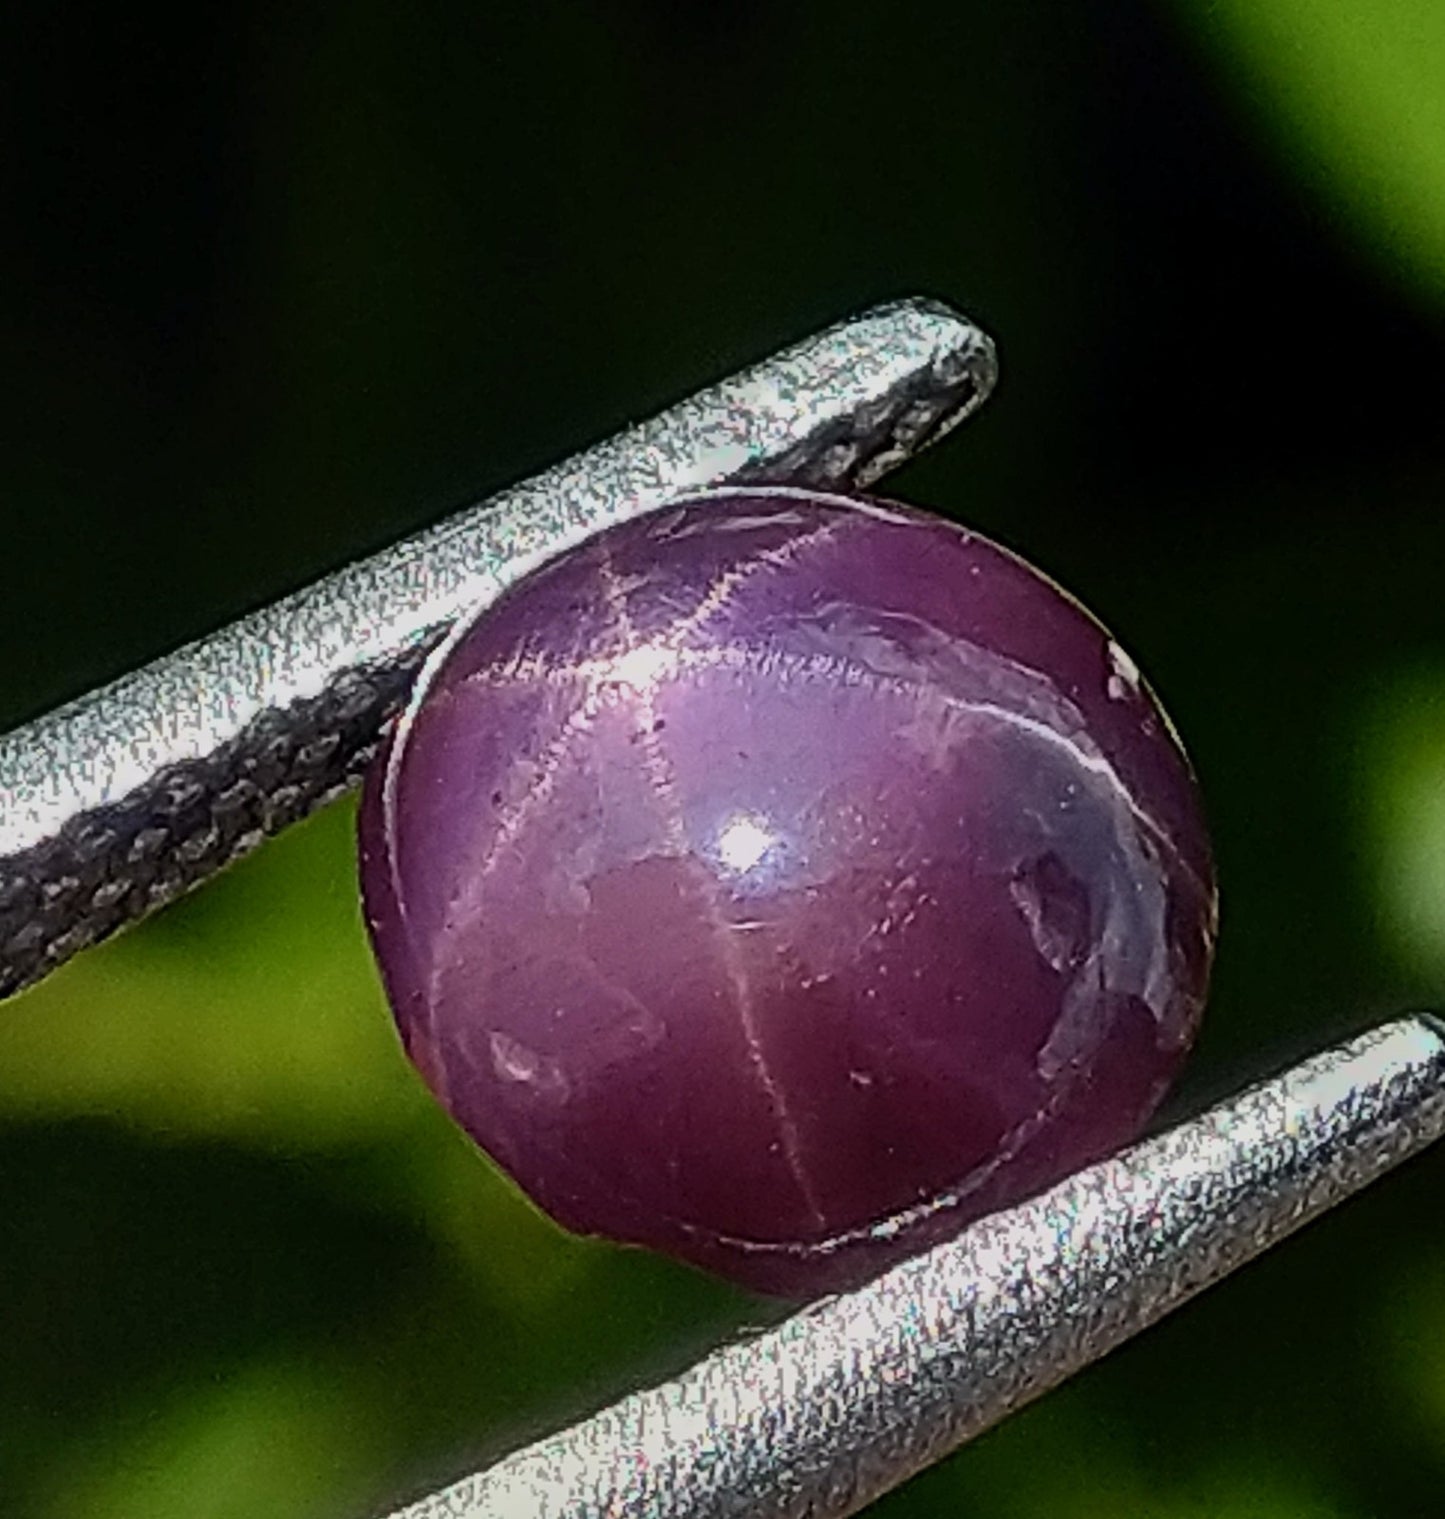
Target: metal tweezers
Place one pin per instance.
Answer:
(118, 802)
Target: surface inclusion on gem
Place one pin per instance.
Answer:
(781, 881)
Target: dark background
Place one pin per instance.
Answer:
(280, 284)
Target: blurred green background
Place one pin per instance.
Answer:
(281, 283)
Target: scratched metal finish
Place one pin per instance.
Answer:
(118, 802)
(848, 1399)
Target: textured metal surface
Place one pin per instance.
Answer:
(848, 1399)
(120, 801)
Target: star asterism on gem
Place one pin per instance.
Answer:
(781, 881)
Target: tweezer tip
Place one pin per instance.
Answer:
(966, 353)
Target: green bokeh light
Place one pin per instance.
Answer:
(1351, 89)
(1401, 762)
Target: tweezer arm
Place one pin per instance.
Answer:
(848, 1399)
(120, 801)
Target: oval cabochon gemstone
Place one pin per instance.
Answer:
(781, 880)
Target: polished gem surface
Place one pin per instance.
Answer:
(780, 881)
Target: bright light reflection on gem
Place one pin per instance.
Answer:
(639, 667)
(743, 842)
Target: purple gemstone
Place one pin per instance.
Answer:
(781, 881)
